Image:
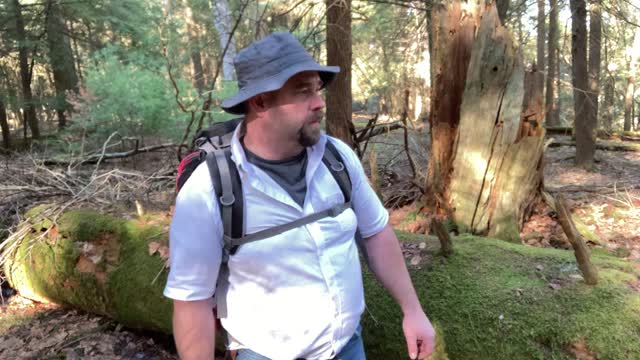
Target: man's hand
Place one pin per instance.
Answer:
(419, 333)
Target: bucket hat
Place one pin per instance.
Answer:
(267, 64)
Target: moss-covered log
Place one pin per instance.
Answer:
(489, 300)
(96, 263)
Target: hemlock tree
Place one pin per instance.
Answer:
(585, 132)
(338, 97)
(30, 118)
(552, 116)
(595, 36)
(61, 59)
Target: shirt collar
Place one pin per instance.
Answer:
(239, 156)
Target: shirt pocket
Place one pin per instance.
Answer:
(346, 220)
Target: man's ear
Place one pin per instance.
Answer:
(259, 103)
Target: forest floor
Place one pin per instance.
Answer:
(606, 200)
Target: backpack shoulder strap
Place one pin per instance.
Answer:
(333, 160)
(228, 188)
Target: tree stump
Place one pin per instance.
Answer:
(496, 161)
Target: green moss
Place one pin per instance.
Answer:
(492, 300)
(121, 285)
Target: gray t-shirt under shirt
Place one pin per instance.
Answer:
(288, 173)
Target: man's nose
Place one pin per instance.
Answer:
(317, 102)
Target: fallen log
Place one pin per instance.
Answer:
(583, 257)
(94, 262)
(600, 145)
(95, 158)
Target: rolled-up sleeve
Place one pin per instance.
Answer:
(371, 214)
(195, 240)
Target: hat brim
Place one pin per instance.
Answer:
(236, 103)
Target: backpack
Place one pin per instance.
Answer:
(214, 147)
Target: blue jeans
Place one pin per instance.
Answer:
(354, 350)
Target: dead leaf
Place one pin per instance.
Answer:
(415, 260)
(539, 267)
(580, 350)
(555, 286)
(164, 252)
(423, 245)
(153, 247)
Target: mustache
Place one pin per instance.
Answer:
(318, 116)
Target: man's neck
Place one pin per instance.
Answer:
(267, 143)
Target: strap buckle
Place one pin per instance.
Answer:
(227, 199)
(337, 166)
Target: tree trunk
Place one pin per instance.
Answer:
(628, 101)
(609, 94)
(551, 116)
(222, 22)
(30, 118)
(194, 47)
(453, 34)
(61, 58)
(532, 116)
(542, 34)
(76, 54)
(4, 125)
(595, 37)
(497, 167)
(585, 132)
(339, 54)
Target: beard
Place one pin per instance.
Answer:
(309, 133)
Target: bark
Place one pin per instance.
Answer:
(196, 57)
(532, 117)
(446, 246)
(628, 102)
(552, 115)
(338, 97)
(30, 118)
(542, 34)
(453, 34)
(61, 60)
(609, 94)
(585, 132)
(222, 21)
(595, 37)
(4, 125)
(496, 172)
(76, 53)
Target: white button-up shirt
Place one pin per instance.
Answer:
(294, 295)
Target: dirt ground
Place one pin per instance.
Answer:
(606, 200)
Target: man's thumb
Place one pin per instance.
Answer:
(412, 346)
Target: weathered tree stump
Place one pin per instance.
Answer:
(496, 154)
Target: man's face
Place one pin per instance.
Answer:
(296, 110)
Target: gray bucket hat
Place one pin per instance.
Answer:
(267, 64)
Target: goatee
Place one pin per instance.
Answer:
(309, 133)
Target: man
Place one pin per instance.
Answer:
(297, 295)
